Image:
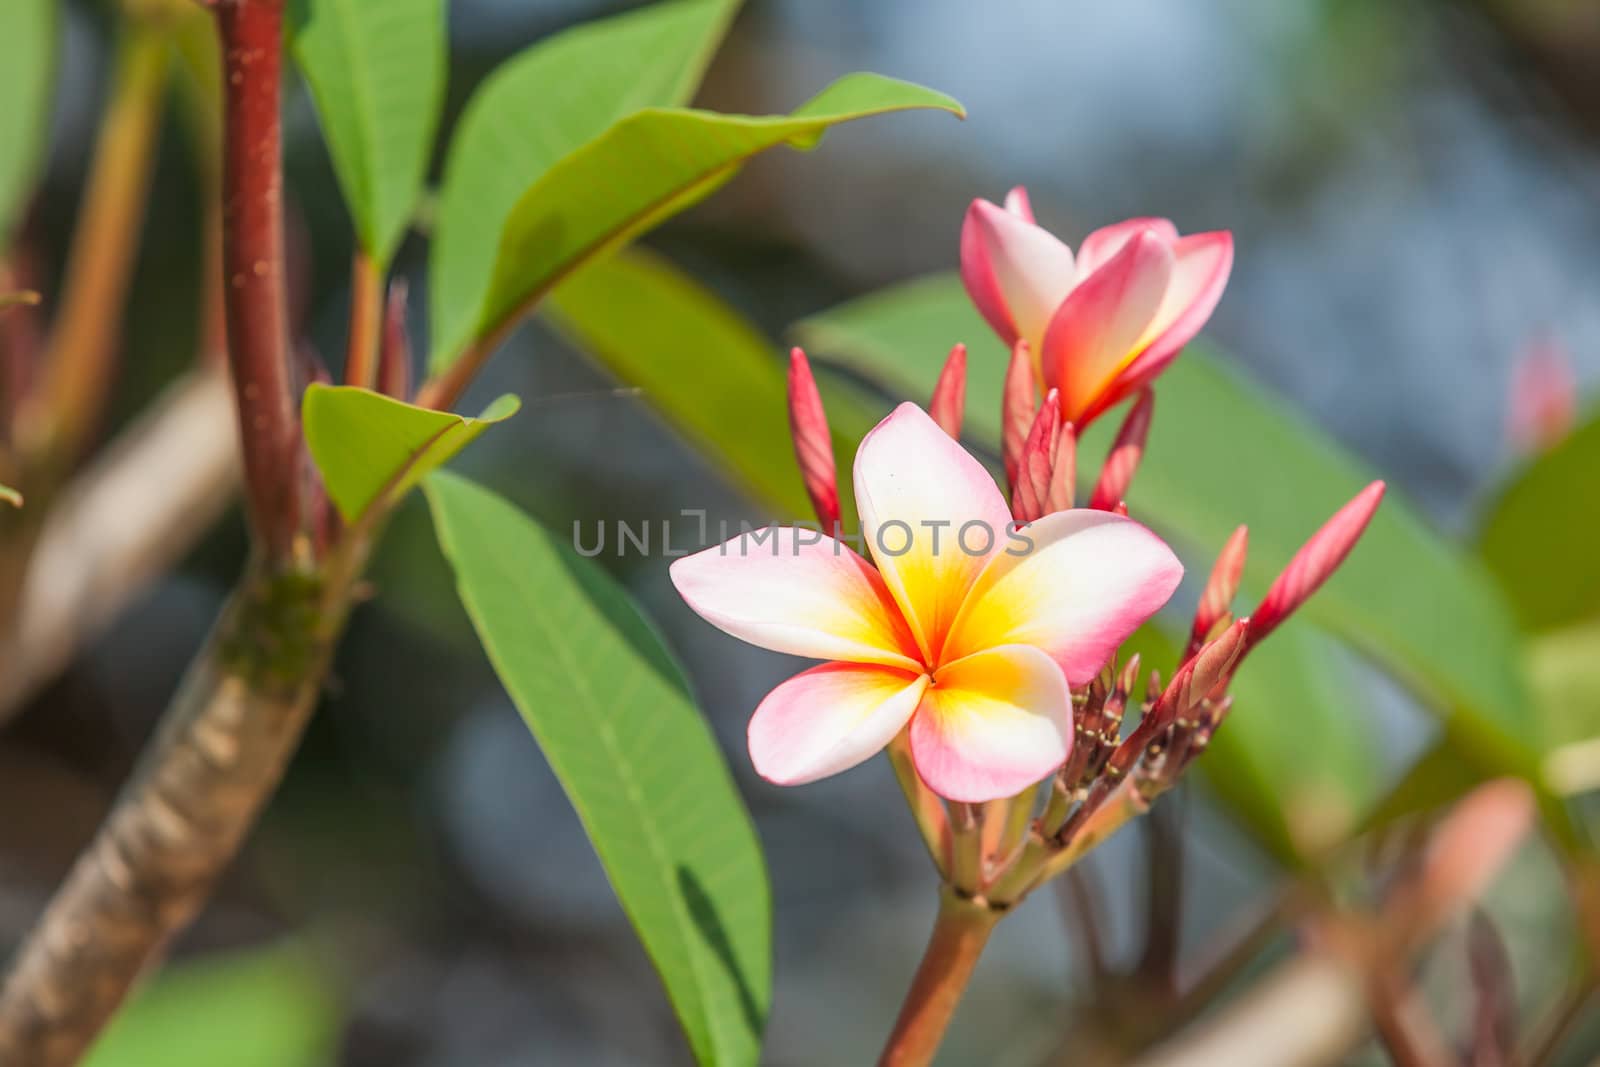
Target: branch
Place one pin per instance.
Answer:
(252, 256)
(58, 418)
(220, 753)
(120, 524)
(1308, 1013)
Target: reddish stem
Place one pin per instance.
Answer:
(959, 935)
(253, 262)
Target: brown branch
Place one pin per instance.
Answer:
(255, 285)
(1308, 1013)
(219, 755)
(59, 416)
(124, 521)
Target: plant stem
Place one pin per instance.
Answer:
(959, 935)
(252, 253)
(366, 321)
(218, 756)
(61, 413)
(124, 519)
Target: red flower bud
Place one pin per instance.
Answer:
(1030, 492)
(1016, 409)
(1221, 588)
(1316, 561)
(950, 394)
(1123, 460)
(813, 442)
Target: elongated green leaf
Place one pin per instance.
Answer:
(540, 106)
(703, 365)
(646, 168)
(1223, 452)
(376, 69)
(1565, 665)
(266, 1008)
(368, 445)
(1297, 756)
(609, 709)
(1539, 537)
(27, 76)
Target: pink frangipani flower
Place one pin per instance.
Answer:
(1101, 324)
(968, 634)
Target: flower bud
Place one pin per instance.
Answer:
(950, 394)
(813, 442)
(1116, 475)
(1316, 561)
(1016, 409)
(1031, 489)
(1221, 588)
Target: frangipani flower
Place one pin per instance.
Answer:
(1100, 324)
(968, 634)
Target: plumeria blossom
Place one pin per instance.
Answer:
(968, 634)
(1100, 324)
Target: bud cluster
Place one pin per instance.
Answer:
(1119, 762)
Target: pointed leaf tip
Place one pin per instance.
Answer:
(370, 447)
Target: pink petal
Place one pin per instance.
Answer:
(1088, 581)
(1097, 329)
(931, 516)
(1106, 242)
(1016, 273)
(1202, 263)
(829, 719)
(992, 724)
(1018, 204)
(819, 599)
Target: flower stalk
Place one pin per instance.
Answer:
(959, 935)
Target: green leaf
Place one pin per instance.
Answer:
(27, 78)
(734, 410)
(609, 708)
(10, 496)
(1565, 665)
(646, 168)
(376, 69)
(1224, 452)
(1539, 537)
(537, 108)
(1296, 757)
(265, 1008)
(368, 445)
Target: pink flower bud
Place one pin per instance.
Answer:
(1316, 561)
(1031, 494)
(1544, 398)
(950, 394)
(1470, 846)
(1016, 409)
(1064, 472)
(813, 442)
(1116, 475)
(1223, 585)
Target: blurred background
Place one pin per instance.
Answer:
(1414, 186)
